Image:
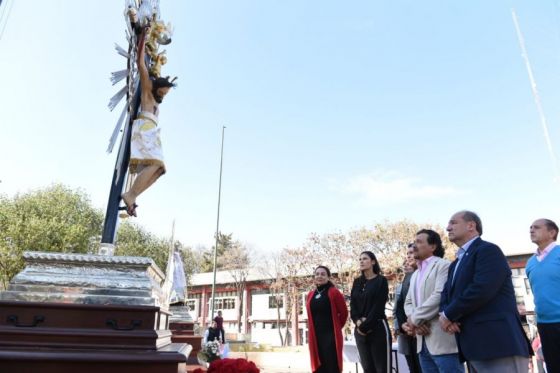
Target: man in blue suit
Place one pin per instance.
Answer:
(478, 302)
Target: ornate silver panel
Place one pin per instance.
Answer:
(87, 279)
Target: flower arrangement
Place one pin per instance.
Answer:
(231, 366)
(210, 352)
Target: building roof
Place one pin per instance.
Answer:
(225, 277)
(518, 251)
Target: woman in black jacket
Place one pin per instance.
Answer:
(369, 295)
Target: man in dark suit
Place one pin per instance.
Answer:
(406, 343)
(478, 302)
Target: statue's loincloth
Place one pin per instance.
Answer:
(145, 143)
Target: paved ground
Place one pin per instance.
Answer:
(297, 361)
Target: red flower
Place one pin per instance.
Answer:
(233, 366)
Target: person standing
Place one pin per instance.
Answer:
(212, 334)
(406, 343)
(327, 314)
(543, 271)
(478, 302)
(368, 297)
(437, 349)
(220, 326)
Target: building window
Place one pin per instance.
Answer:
(263, 290)
(195, 295)
(275, 301)
(222, 304)
(223, 294)
(229, 303)
(300, 304)
(190, 303)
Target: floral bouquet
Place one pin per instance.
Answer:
(231, 366)
(210, 352)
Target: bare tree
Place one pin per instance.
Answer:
(296, 266)
(289, 272)
(388, 240)
(271, 269)
(335, 251)
(237, 261)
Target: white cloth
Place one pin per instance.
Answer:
(179, 281)
(145, 143)
(350, 353)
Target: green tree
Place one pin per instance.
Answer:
(224, 243)
(134, 240)
(53, 219)
(60, 219)
(192, 260)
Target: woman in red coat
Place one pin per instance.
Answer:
(326, 314)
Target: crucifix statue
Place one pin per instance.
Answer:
(140, 153)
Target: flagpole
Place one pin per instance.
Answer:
(217, 227)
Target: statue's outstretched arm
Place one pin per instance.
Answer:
(141, 62)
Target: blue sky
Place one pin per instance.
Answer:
(338, 115)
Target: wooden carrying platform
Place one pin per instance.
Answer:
(64, 338)
(183, 333)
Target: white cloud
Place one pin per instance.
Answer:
(382, 187)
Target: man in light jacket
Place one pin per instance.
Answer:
(437, 349)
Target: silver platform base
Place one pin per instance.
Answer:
(87, 279)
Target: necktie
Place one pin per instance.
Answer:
(460, 254)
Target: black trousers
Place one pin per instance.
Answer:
(375, 348)
(326, 349)
(412, 359)
(550, 340)
(222, 334)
